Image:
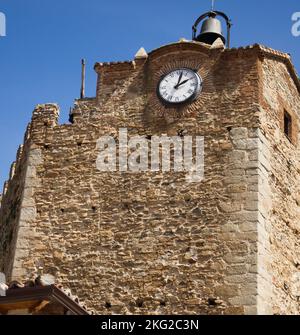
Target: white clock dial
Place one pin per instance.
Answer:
(179, 86)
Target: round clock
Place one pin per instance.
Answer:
(179, 86)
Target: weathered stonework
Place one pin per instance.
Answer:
(282, 246)
(151, 243)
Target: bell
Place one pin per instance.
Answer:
(211, 30)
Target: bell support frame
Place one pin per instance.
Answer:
(213, 14)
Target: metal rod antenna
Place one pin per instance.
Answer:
(212, 5)
(82, 91)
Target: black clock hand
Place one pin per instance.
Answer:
(184, 82)
(179, 80)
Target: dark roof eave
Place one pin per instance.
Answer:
(44, 293)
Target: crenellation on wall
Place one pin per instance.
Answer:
(12, 170)
(44, 121)
(27, 133)
(19, 153)
(48, 113)
(5, 187)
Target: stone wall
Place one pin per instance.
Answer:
(151, 242)
(282, 217)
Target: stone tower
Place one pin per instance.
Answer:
(144, 243)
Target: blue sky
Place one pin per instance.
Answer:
(46, 39)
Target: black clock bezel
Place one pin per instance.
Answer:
(192, 98)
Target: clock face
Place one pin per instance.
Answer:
(179, 86)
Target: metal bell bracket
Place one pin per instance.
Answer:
(214, 14)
